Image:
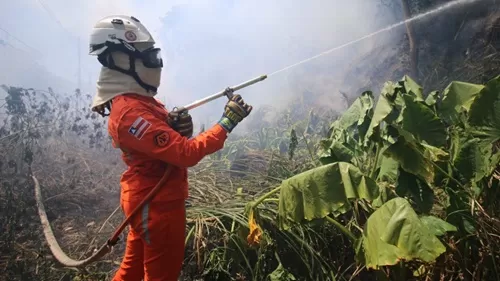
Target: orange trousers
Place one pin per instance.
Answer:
(155, 242)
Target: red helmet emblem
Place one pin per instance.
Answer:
(130, 36)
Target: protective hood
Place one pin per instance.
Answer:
(112, 83)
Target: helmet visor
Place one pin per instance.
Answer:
(151, 58)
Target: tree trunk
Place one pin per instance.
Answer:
(411, 37)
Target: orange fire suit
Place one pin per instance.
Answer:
(155, 243)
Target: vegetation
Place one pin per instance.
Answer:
(402, 188)
(406, 189)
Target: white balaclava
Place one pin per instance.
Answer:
(112, 83)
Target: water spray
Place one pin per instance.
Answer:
(436, 10)
(229, 91)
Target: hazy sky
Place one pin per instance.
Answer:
(207, 45)
(54, 33)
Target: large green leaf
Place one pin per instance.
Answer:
(388, 169)
(391, 103)
(334, 151)
(472, 160)
(410, 157)
(412, 88)
(394, 232)
(341, 152)
(419, 120)
(484, 115)
(484, 110)
(338, 148)
(437, 226)
(414, 157)
(324, 153)
(473, 149)
(457, 97)
(356, 119)
(348, 132)
(419, 191)
(384, 111)
(322, 191)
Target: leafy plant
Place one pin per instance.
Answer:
(398, 163)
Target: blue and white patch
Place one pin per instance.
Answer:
(139, 127)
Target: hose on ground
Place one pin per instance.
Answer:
(56, 250)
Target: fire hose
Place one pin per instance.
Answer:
(56, 250)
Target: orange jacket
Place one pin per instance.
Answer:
(137, 125)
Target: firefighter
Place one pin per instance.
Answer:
(150, 139)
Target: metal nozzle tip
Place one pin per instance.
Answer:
(263, 77)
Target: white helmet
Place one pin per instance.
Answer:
(125, 34)
(114, 29)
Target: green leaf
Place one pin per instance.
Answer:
(335, 150)
(412, 88)
(458, 212)
(394, 232)
(357, 118)
(410, 156)
(414, 157)
(422, 122)
(348, 132)
(384, 111)
(340, 152)
(473, 148)
(432, 98)
(436, 225)
(280, 274)
(472, 159)
(388, 169)
(434, 153)
(386, 193)
(484, 119)
(324, 153)
(419, 191)
(485, 110)
(457, 98)
(325, 190)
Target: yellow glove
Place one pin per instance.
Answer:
(234, 112)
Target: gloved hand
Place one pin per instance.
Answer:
(234, 112)
(181, 122)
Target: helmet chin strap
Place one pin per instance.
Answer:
(108, 61)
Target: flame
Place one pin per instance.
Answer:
(253, 237)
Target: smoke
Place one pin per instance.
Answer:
(213, 45)
(207, 46)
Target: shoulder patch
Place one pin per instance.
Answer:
(139, 127)
(162, 139)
